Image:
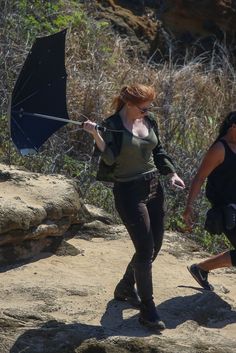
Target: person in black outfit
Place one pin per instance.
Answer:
(219, 168)
(137, 191)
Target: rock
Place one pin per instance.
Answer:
(35, 212)
(129, 19)
(99, 214)
(155, 345)
(157, 26)
(200, 26)
(207, 18)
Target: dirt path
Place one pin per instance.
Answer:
(64, 295)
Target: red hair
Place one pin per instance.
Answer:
(135, 94)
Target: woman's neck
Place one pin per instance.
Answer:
(127, 115)
(124, 114)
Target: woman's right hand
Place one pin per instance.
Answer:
(188, 217)
(90, 127)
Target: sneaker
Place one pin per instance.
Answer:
(125, 292)
(149, 316)
(200, 276)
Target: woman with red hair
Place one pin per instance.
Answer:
(131, 148)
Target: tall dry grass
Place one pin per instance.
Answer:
(192, 99)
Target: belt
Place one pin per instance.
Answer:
(150, 175)
(145, 177)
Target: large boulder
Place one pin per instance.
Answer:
(35, 210)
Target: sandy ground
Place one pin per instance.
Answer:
(79, 289)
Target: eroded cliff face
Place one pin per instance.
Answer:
(136, 19)
(201, 17)
(204, 21)
(161, 25)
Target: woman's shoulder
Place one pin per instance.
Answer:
(150, 116)
(218, 146)
(153, 121)
(216, 151)
(113, 120)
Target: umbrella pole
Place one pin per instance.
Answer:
(50, 117)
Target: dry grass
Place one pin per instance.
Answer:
(192, 98)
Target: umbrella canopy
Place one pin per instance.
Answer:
(39, 93)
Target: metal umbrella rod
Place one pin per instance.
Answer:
(51, 117)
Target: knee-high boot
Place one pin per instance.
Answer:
(148, 312)
(125, 289)
(143, 278)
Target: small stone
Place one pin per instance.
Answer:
(224, 290)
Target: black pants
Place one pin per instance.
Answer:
(231, 235)
(140, 205)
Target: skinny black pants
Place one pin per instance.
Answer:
(231, 235)
(140, 204)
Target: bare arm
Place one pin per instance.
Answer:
(90, 127)
(104, 142)
(213, 158)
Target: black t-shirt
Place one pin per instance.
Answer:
(221, 183)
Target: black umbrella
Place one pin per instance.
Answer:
(38, 102)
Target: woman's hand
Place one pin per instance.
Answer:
(188, 217)
(90, 127)
(177, 181)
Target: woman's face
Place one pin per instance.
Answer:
(233, 128)
(231, 132)
(139, 110)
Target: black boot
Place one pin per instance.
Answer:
(149, 316)
(143, 279)
(148, 312)
(125, 289)
(124, 292)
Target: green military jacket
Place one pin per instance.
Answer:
(113, 139)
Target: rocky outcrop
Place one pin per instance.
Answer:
(208, 17)
(35, 211)
(201, 24)
(160, 26)
(133, 19)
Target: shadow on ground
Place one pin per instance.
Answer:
(55, 246)
(206, 309)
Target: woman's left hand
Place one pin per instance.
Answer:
(177, 181)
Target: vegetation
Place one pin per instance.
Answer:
(192, 98)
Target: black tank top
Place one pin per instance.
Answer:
(221, 183)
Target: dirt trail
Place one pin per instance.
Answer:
(74, 294)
